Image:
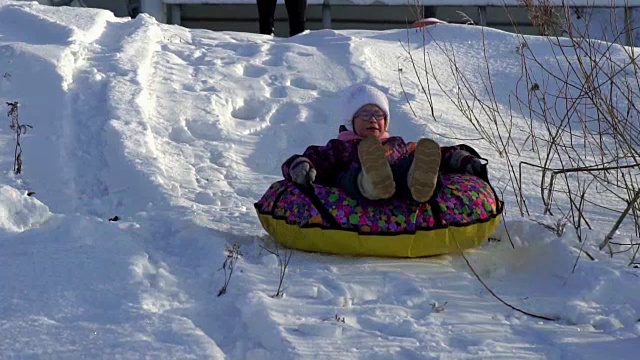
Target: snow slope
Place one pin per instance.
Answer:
(178, 132)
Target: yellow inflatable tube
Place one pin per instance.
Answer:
(419, 244)
(463, 214)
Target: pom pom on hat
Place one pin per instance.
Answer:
(360, 95)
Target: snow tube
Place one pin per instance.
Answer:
(427, 22)
(325, 219)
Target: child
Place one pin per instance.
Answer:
(367, 162)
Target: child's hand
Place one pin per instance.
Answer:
(474, 167)
(302, 172)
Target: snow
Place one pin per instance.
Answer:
(177, 132)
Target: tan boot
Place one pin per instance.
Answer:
(423, 174)
(375, 181)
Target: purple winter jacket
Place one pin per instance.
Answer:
(338, 156)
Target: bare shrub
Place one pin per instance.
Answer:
(580, 107)
(233, 253)
(18, 129)
(543, 15)
(591, 123)
(284, 257)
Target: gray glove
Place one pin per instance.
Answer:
(302, 171)
(474, 167)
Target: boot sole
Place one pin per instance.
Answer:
(376, 167)
(425, 168)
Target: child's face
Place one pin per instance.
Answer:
(369, 120)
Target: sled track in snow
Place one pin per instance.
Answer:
(91, 145)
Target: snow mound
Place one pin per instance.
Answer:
(19, 212)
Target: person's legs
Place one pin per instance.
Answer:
(424, 171)
(375, 181)
(296, 13)
(266, 11)
(400, 169)
(348, 181)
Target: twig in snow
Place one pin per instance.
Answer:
(504, 223)
(233, 253)
(580, 252)
(283, 262)
(557, 228)
(633, 258)
(493, 293)
(438, 308)
(19, 129)
(607, 239)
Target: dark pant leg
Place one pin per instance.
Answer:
(296, 13)
(400, 169)
(348, 181)
(266, 11)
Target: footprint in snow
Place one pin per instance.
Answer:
(304, 54)
(275, 57)
(190, 88)
(327, 330)
(250, 110)
(180, 134)
(254, 71)
(273, 61)
(205, 198)
(211, 89)
(205, 129)
(245, 50)
(279, 92)
(304, 84)
(210, 173)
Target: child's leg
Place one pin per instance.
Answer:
(425, 169)
(348, 181)
(400, 170)
(375, 181)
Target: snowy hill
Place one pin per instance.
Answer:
(178, 132)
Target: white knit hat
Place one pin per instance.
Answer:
(360, 95)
